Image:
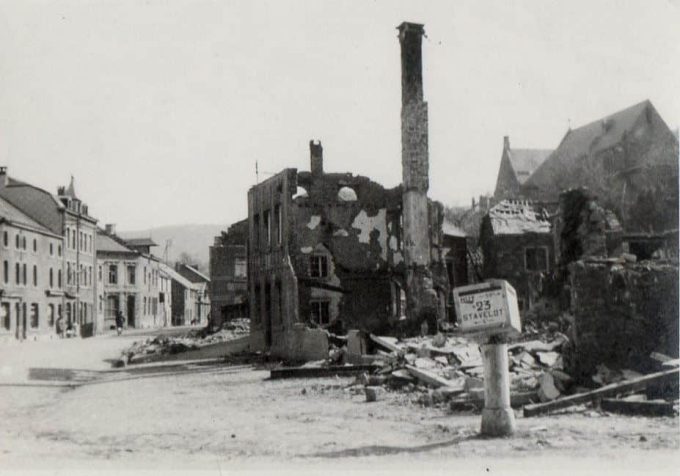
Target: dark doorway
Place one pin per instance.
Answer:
(24, 319)
(131, 311)
(18, 323)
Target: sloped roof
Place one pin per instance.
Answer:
(516, 217)
(140, 242)
(39, 204)
(15, 216)
(193, 274)
(174, 275)
(105, 243)
(451, 229)
(586, 140)
(526, 161)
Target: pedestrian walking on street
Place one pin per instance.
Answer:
(60, 327)
(119, 322)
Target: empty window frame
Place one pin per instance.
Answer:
(279, 224)
(35, 318)
(320, 312)
(318, 266)
(131, 274)
(536, 258)
(267, 227)
(113, 274)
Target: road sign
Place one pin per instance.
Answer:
(487, 308)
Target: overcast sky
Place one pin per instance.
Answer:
(161, 108)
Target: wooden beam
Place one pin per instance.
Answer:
(644, 407)
(606, 391)
(317, 372)
(385, 343)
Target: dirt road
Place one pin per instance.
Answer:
(225, 418)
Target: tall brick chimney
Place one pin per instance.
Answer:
(4, 178)
(316, 157)
(421, 298)
(414, 154)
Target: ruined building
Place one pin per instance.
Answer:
(228, 283)
(518, 246)
(339, 251)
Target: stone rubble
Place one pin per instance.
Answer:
(192, 340)
(447, 369)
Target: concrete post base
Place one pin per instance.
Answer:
(498, 418)
(498, 422)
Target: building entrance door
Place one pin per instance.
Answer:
(131, 311)
(17, 329)
(24, 316)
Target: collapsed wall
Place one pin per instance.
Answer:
(622, 313)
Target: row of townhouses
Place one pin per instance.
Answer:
(60, 270)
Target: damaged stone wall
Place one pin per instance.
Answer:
(505, 258)
(621, 313)
(363, 241)
(583, 228)
(272, 284)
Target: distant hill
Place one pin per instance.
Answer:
(193, 240)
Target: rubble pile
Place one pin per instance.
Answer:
(449, 368)
(195, 339)
(448, 371)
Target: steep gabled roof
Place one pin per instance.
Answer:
(587, 140)
(526, 161)
(516, 217)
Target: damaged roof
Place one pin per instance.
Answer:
(516, 217)
(451, 229)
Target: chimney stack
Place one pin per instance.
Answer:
(110, 229)
(506, 142)
(316, 158)
(420, 296)
(4, 178)
(414, 123)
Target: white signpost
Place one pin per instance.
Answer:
(488, 308)
(487, 312)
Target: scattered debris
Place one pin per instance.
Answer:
(140, 351)
(447, 369)
(606, 391)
